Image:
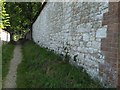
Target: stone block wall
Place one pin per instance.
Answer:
(81, 30)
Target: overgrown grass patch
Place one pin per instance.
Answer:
(41, 68)
(7, 55)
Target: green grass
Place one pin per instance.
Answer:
(41, 68)
(7, 54)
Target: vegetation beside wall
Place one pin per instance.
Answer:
(41, 68)
(7, 54)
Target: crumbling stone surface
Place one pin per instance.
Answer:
(78, 27)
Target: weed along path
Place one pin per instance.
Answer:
(10, 80)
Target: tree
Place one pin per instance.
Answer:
(4, 22)
(22, 16)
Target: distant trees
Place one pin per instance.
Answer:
(22, 16)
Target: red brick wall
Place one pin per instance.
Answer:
(119, 49)
(110, 46)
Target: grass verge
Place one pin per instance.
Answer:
(41, 68)
(7, 54)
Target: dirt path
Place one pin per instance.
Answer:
(10, 80)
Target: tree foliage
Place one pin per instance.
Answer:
(22, 16)
(4, 17)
